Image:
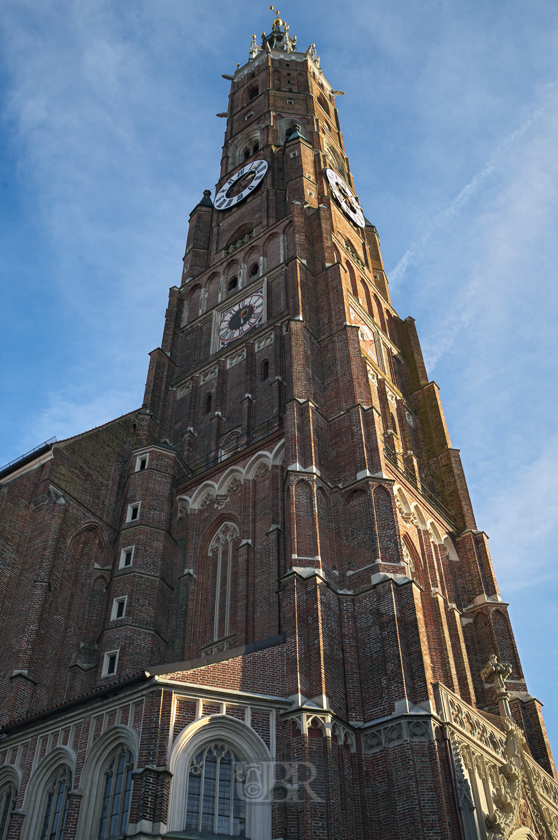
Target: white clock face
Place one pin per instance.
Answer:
(240, 318)
(345, 197)
(240, 185)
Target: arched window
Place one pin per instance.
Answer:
(208, 404)
(254, 269)
(7, 805)
(116, 795)
(323, 104)
(265, 375)
(221, 549)
(233, 283)
(215, 797)
(56, 811)
(253, 93)
(352, 278)
(366, 299)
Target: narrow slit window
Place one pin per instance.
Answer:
(265, 370)
(208, 404)
(142, 463)
(110, 663)
(126, 557)
(133, 512)
(118, 608)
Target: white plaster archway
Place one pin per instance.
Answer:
(35, 795)
(246, 744)
(91, 781)
(419, 517)
(450, 548)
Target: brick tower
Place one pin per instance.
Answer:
(260, 606)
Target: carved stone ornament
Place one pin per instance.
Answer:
(494, 771)
(234, 485)
(226, 533)
(183, 508)
(389, 735)
(184, 390)
(497, 672)
(264, 341)
(208, 375)
(208, 500)
(236, 358)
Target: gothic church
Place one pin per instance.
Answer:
(259, 606)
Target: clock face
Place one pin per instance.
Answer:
(240, 185)
(345, 197)
(240, 318)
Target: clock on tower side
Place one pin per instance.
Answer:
(317, 450)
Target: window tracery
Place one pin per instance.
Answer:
(116, 795)
(215, 796)
(7, 805)
(221, 549)
(56, 812)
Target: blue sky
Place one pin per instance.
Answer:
(450, 119)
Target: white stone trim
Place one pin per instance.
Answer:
(35, 794)
(114, 610)
(132, 506)
(249, 747)
(219, 492)
(91, 780)
(122, 562)
(106, 660)
(143, 457)
(32, 465)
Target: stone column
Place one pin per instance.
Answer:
(498, 672)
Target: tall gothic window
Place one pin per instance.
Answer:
(116, 796)
(216, 792)
(221, 549)
(7, 805)
(56, 812)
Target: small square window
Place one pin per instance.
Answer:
(118, 608)
(110, 663)
(141, 462)
(290, 101)
(133, 512)
(126, 557)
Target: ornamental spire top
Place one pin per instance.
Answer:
(278, 39)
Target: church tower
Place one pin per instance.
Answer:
(260, 606)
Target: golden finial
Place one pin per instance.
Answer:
(276, 12)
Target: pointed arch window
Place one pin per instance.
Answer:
(116, 795)
(221, 549)
(7, 805)
(208, 404)
(215, 797)
(265, 370)
(56, 812)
